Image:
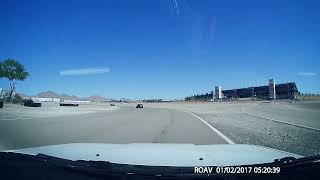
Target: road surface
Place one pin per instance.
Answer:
(183, 122)
(125, 125)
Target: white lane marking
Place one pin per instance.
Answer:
(279, 121)
(211, 127)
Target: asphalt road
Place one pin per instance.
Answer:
(125, 125)
(196, 123)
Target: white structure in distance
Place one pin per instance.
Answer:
(218, 92)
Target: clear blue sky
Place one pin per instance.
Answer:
(159, 49)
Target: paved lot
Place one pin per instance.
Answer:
(18, 112)
(125, 125)
(22, 127)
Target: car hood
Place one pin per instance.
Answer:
(152, 154)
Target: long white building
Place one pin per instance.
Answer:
(37, 99)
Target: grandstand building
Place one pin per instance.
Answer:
(280, 91)
(271, 91)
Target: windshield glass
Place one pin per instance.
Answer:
(174, 74)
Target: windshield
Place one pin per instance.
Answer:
(222, 82)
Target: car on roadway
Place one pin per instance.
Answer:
(112, 105)
(139, 106)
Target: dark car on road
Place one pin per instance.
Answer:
(112, 105)
(139, 106)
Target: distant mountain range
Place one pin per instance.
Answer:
(96, 98)
(51, 94)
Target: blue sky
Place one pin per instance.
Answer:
(159, 49)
